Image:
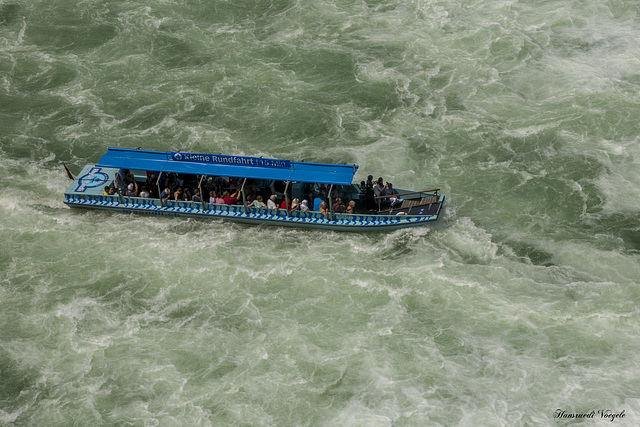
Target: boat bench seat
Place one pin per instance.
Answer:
(418, 202)
(409, 203)
(428, 200)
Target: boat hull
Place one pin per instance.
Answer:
(311, 220)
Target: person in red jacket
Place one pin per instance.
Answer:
(231, 199)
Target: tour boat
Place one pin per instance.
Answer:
(287, 179)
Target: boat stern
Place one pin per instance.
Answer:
(89, 183)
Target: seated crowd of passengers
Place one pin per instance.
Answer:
(259, 193)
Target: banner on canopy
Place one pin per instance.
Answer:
(220, 159)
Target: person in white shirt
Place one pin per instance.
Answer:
(257, 203)
(271, 203)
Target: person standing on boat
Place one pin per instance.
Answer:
(369, 195)
(379, 190)
(233, 184)
(362, 196)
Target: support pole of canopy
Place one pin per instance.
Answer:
(244, 199)
(201, 194)
(119, 184)
(159, 192)
(330, 204)
(286, 187)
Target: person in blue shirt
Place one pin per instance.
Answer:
(316, 202)
(166, 195)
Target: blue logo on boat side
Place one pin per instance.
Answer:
(93, 179)
(219, 159)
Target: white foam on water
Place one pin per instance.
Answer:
(623, 166)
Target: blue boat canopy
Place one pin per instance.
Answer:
(223, 165)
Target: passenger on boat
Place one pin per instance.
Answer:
(271, 203)
(285, 204)
(132, 189)
(338, 206)
(304, 206)
(390, 191)
(379, 188)
(323, 209)
(212, 196)
(196, 196)
(230, 199)
(295, 205)
(323, 190)
(334, 193)
(186, 194)
(257, 203)
(369, 194)
(166, 195)
(351, 209)
(177, 195)
(363, 192)
(233, 184)
(317, 202)
(219, 199)
(145, 193)
(263, 187)
(162, 179)
(107, 191)
(219, 184)
(306, 191)
(250, 188)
